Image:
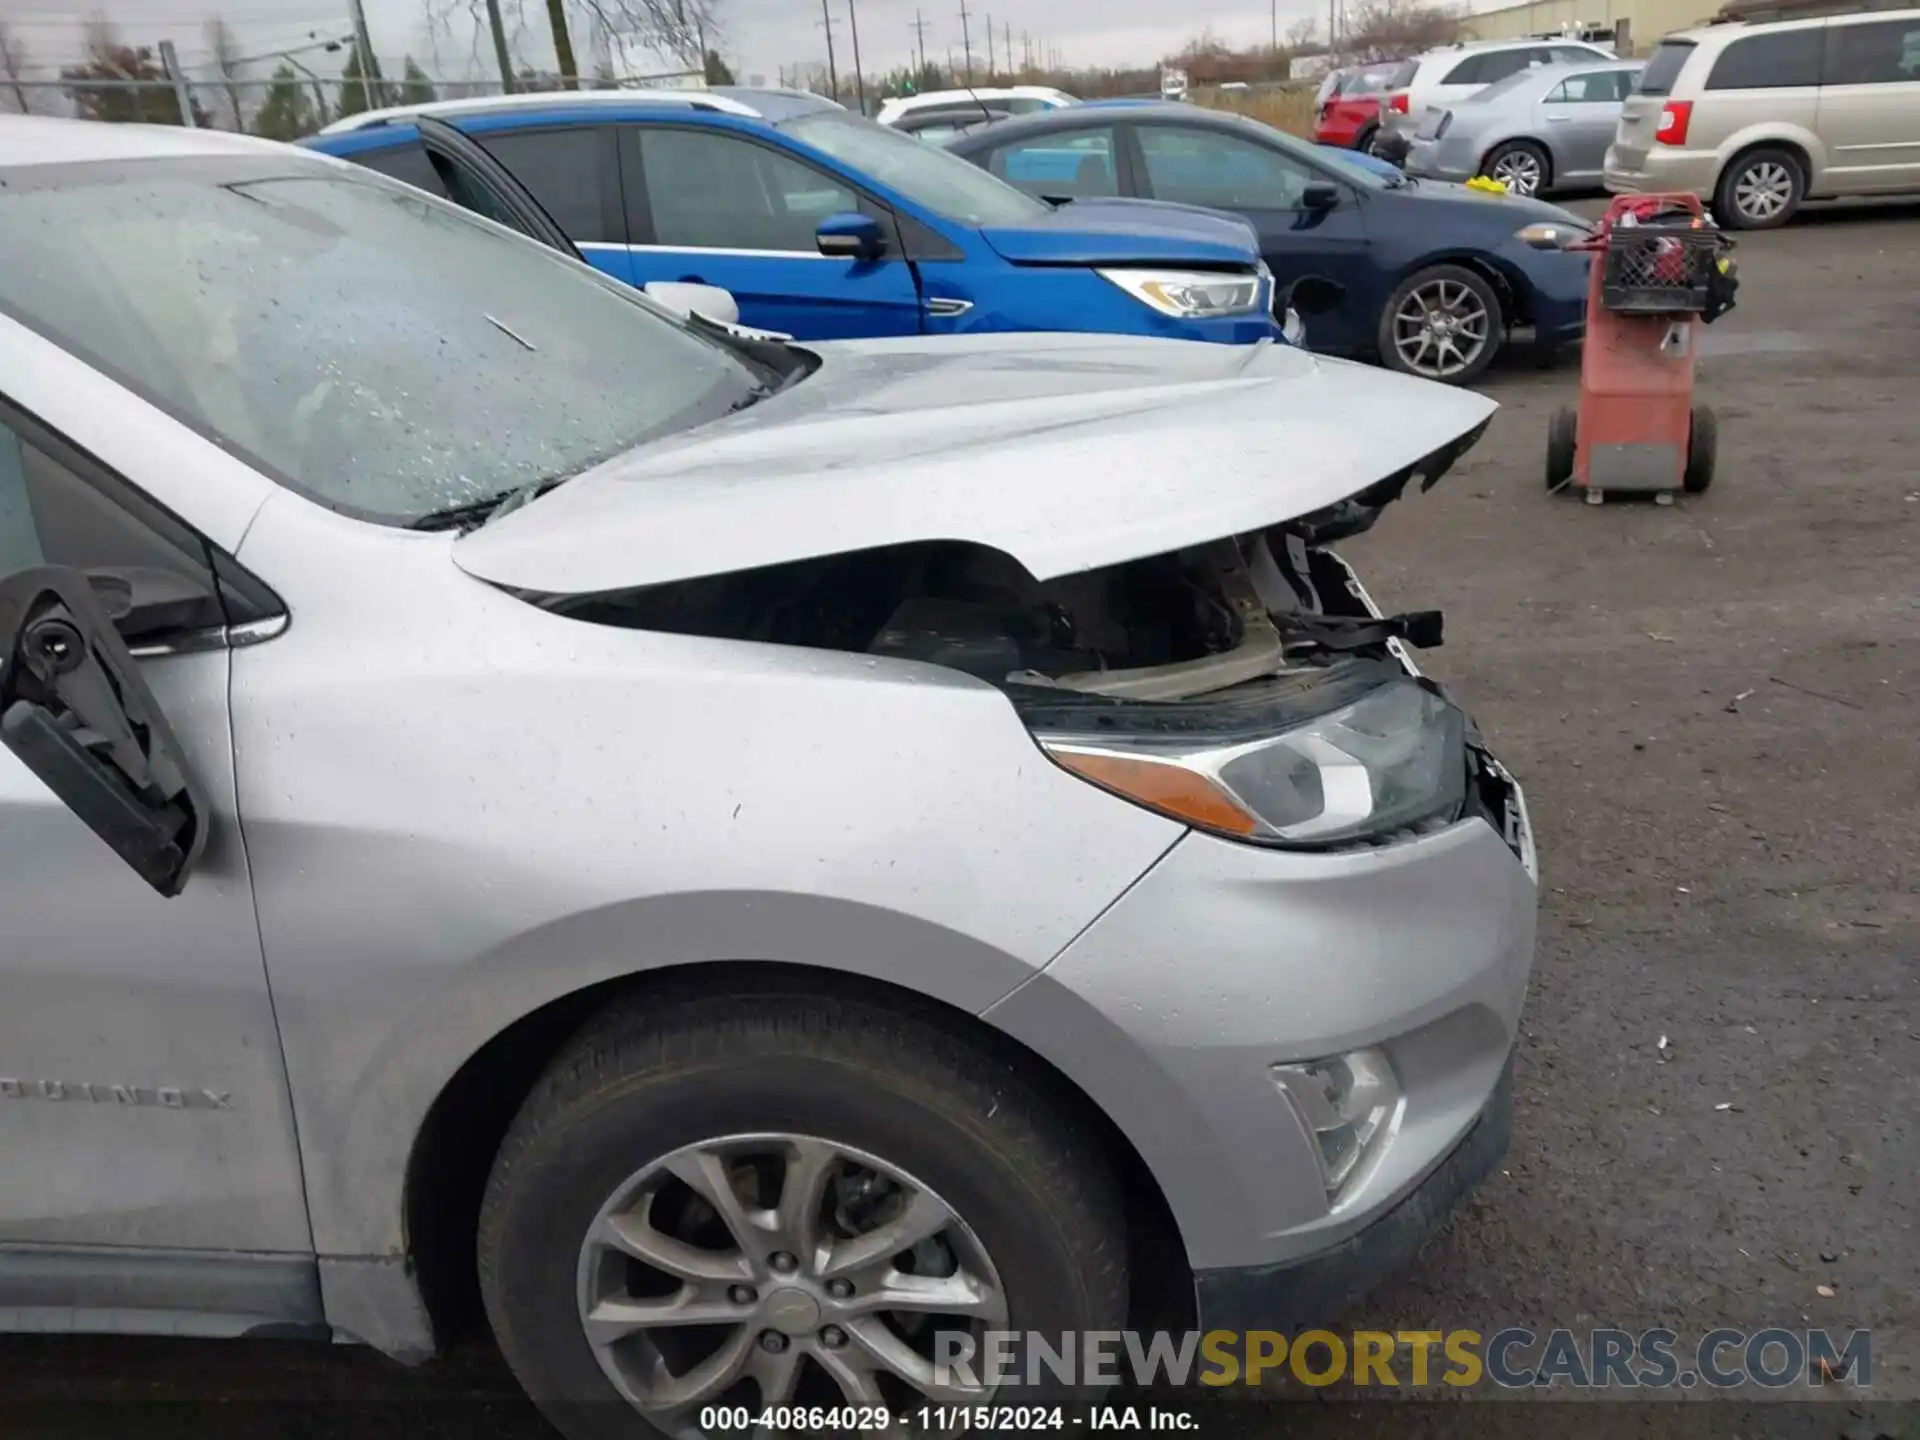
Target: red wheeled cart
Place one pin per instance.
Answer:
(1659, 272)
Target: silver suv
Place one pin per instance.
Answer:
(1447, 75)
(770, 861)
(1758, 118)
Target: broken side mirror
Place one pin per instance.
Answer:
(75, 709)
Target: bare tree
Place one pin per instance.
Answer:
(488, 21)
(1394, 29)
(13, 65)
(683, 29)
(1303, 34)
(226, 60)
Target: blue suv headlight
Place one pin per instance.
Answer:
(1191, 294)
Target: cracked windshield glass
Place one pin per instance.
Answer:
(386, 355)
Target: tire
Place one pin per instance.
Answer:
(1563, 432)
(1766, 171)
(1703, 447)
(1521, 157)
(1038, 1208)
(1363, 142)
(1457, 286)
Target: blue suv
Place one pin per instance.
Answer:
(822, 224)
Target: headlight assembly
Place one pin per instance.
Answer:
(1318, 759)
(1190, 294)
(1550, 234)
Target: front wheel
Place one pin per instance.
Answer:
(1442, 324)
(785, 1199)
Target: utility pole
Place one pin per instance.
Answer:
(989, 47)
(919, 28)
(1006, 48)
(1273, 19)
(966, 42)
(1333, 26)
(500, 54)
(363, 47)
(833, 76)
(859, 77)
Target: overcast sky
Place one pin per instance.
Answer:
(759, 36)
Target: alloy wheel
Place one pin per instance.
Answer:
(1763, 190)
(774, 1269)
(1519, 171)
(1441, 328)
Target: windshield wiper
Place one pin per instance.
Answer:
(472, 514)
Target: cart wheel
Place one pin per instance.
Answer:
(1562, 433)
(1703, 442)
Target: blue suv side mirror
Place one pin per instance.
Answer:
(850, 236)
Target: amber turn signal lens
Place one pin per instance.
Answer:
(1171, 789)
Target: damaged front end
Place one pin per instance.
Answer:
(1247, 687)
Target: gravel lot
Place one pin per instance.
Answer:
(1714, 708)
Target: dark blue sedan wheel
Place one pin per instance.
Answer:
(1443, 324)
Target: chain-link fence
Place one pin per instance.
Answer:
(289, 104)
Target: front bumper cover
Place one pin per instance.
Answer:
(1320, 1290)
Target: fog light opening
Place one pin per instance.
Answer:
(1350, 1104)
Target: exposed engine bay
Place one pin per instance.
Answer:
(1164, 628)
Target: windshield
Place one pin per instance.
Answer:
(925, 174)
(384, 353)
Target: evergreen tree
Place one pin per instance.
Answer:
(288, 112)
(416, 88)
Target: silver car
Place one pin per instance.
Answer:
(759, 862)
(1539, 130)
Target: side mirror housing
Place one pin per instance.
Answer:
(850, 236)
(1320, 195)
(77, 713)
(684, 297)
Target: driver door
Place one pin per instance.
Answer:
(144, 1111)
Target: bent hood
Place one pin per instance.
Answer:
(1127, 232)
(1067, 452)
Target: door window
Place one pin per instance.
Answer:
(1077, 163)
(1602, 87)
(1779, 61)
(567, 173)
(56, 508)
(708, 191)
(406, 163)
(1219, 170)
(1884, 52)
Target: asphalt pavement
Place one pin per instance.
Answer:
(1714, 708)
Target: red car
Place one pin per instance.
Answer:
(1348, 109)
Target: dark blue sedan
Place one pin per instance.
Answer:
(1428, 277)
